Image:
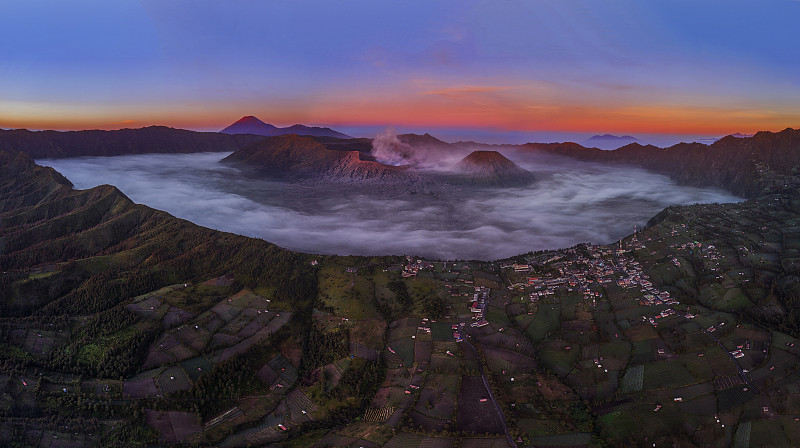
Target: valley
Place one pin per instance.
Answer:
(314, 206)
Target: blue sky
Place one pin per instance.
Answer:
(523, 68)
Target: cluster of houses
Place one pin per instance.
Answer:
(424, 326)
(577, 272)
(412, 267)
(708, 252)
(478, 306)
(651, 296)
(583, 271)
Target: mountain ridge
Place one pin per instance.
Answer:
(151, 139)
(738, 164)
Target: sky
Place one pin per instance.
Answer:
(482, 70)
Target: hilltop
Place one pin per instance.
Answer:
(252, 125)
(492, 169)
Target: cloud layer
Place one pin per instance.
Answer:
(569, 203)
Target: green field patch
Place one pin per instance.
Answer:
(306, 439)
(563, 440)
(544, 322)
(616, 350)
(404, 348)
(733, 398)
(561, 361)
(641, 332)
(404, 440)
(634, 314)
(102, 263)
(642, 352)
(265, 291)
(497, 315)
(769, 433)
(780, 365)
(783, 340)
(667, 373)
(421, 286)
(282, 367)
(147, 374)
(173, 379)
(702, 406)
(441, 331)
(568, 305)
(445, 363)
(742, 437)
(371, 432)
(348, 293)
(196, 366)
(522, 321)
(669, 418)
(334, 373)
(633, 380)
(618, 424)
(41, 275)
(693, 391)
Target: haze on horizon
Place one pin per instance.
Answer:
(489, 71)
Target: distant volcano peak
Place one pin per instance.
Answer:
(251, 119)
(610, 141)
(250, 124)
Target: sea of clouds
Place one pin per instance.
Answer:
(570, 202)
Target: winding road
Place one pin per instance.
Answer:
(465, 340)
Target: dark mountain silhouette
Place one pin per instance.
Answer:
(743, 165)
(608, 141)
(492, 168)
(301, 157)
(153, 139)
(431, 145)
(423, 140)
(252, 125)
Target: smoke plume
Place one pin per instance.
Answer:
(389, 150)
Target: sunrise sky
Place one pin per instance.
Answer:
(458, 68)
